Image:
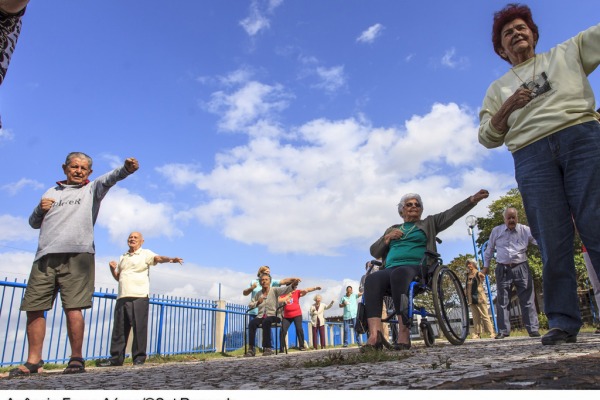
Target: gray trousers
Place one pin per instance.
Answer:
(131, 313)
(521, 278)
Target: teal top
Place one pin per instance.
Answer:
(351, 307)
(409, 249)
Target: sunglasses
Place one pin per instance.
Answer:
(407, 205)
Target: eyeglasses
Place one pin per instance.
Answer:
(407, 205)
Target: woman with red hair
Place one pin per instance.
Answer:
(543, 110)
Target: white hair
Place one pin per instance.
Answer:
(407, 197)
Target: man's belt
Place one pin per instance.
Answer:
(512, 265)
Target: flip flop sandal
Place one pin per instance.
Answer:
(31, 369)
(76, 365)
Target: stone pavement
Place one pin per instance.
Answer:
(511, 363)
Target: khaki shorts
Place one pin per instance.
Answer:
(72, 273)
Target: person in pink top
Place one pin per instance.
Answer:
(293, 313)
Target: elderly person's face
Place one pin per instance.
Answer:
(471, 267)
(412, 210)
(135, 240)
(265, 281)
(518, 43)
(510, 218)
(77, 171)
(318, 299)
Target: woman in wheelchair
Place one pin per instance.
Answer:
(401, 248)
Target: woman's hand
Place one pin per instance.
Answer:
(394, 234)
(477, 197)
(516, 101)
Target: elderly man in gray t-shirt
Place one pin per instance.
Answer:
(64, 259)
(510, 241)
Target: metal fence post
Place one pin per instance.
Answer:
(160, 329)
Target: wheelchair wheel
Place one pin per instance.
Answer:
(427, 332)
(450, 305)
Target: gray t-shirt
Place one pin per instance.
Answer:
(68, 227)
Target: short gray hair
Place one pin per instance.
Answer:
(471, 261)
(407, 197)
(78, 154)
(509, 208)
(317, 296)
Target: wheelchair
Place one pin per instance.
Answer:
(447, 303)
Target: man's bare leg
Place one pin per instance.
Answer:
(36, 332)
(75, 329)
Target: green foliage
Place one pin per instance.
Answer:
(543, 320)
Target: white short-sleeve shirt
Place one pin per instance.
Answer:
(134, 273)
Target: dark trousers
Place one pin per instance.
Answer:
(395, 281)
(266, 326)
(320, 329)
(285, 325)
(130, 313)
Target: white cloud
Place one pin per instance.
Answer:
(237, 77)
(16, 187)
(330, 79)
(258, 19)
(450, 60)
(332, 183)
(6, 135)
(188, 281)
(253, 102)
(13, 229)
(370, 34)
(113, 161)
(123, 212)
(16, 265)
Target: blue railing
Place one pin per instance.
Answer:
(175, 326)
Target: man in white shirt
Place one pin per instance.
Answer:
(131, 312)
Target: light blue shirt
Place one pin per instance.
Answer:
(510, 245)
(351, 307)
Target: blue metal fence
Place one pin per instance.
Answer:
(175, 326)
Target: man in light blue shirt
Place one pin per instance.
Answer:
(349, 303)
(510, 242)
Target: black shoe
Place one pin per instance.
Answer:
(107, 363)
(558, 336)
(534, 334)
(401, 346)
(501, 336)
(381, 339)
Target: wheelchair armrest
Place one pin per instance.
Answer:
(432, 254)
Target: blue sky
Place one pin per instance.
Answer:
(268, 132)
